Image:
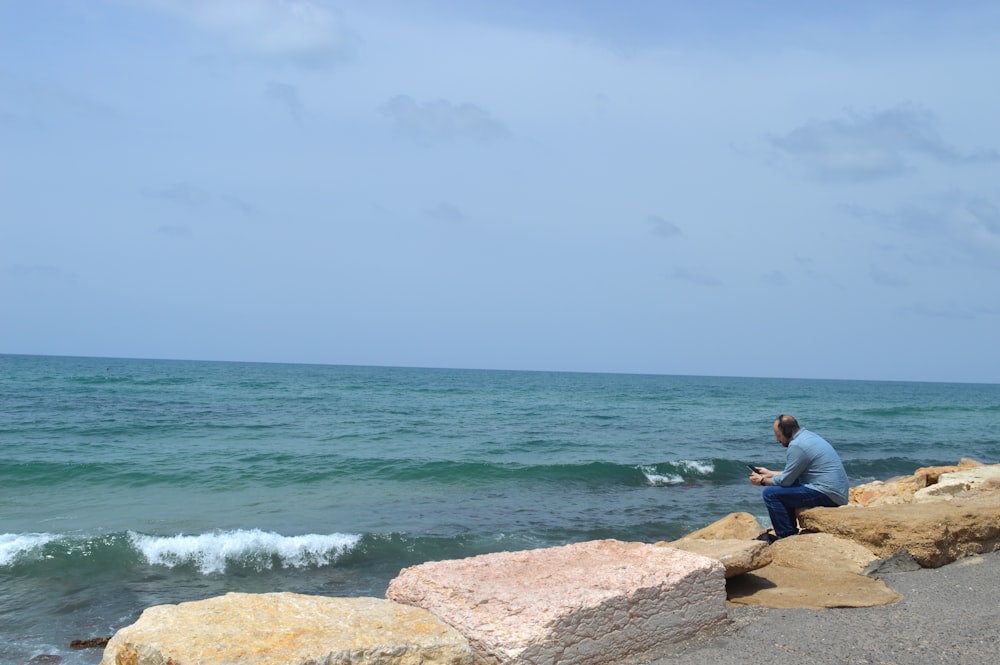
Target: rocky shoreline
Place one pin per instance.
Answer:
(711, 593)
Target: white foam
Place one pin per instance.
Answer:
(703, 468)
(13, 545)
(211, 552)
(658, 479)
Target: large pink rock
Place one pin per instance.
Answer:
(594, 602)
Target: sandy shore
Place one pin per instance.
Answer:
(947, 615)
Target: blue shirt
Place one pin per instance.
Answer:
(812, 462)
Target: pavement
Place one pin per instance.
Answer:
(947, 615)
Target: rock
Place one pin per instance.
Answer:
(737, 556)
(741, 526)
(935, 533)
(813, 571)
(900, 562)
(92, 643)
(593, 602)
(286, 629)
(45, 659)
(960, 483)
(902, 489)
(889, 492)
(933, 473)
(820, 551)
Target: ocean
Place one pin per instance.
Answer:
(131, 483)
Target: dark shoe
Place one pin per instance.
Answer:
(767, 537)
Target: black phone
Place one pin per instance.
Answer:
(753, 469)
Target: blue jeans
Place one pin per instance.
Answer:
(781, 503)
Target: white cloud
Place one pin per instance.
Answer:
(38, 273)
(959, 222)
(306, 32)
(182, 193)
(446, 212)
(881, 144)
(174, 230)
(696, 277)
(663, 227)
(442, 120)
(883, 278)
(286, 95)
(952, 311)
(197, 198)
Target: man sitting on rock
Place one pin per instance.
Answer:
(813, 476)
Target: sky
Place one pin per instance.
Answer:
(767, 189)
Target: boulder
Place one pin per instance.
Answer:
(903, 488)
(934, 533)
(287, 629)
(740, 526)
(737, 556)
(593, 602)
(933, 473)
(886, 493)
(961, 483)
(90, 643)
(900, 562)
(813, 571)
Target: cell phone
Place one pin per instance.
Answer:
(753, 469)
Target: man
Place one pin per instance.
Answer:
(813, 476)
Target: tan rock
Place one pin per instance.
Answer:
(738, 556)
(961, 483)
(935, 533)
(286, 629)
(885, 493)
(813, 571)
(903, 488)
(933, 473)
(593, 602)
(733, 526)
(821, 551)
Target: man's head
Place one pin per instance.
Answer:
(785, 428)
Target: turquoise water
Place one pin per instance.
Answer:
(130, 483)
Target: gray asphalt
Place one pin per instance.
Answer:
(947, 615)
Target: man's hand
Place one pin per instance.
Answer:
(762, 473)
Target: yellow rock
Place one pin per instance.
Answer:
(737, 555)
(733, 526)
(813, 571)
(287, 629)
(934, 533)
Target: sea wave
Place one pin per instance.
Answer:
(678, 473)
(216, 552)
(698, 467)
(14, 545)
(256, 549)
(288, 470)
(285, 469)
(659, 479)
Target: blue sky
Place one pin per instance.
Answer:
(720, 188)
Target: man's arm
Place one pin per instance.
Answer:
(796, 463)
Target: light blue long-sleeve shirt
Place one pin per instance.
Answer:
(812, 462)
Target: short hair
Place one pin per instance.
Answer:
(787, 424)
